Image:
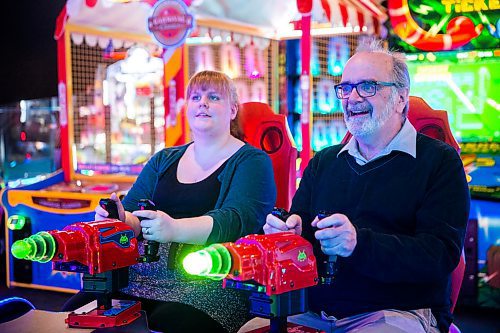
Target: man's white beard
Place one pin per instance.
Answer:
(360, 126)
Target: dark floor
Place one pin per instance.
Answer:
(468, 319)
(41, 299)
(477, 320)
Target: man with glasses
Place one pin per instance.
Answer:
(396, 205)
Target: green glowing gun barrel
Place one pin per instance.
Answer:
(213, 262)
(39, 247)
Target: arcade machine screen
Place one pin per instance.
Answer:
(30, 141)
(464, 84)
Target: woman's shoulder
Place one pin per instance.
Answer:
(249, 158)
(167, 155)
(249, 151)
(170, 151)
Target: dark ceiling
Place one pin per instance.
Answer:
(28, 64)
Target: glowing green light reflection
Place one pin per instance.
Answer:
(213, 262)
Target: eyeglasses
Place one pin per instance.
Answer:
(363, 88)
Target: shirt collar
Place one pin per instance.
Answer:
(405, 141)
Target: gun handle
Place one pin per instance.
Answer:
(330, 263)
(280, 213)
(146, 204)
(111, 207)
(151, 248)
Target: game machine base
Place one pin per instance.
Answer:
(101, 251)
(50, 203)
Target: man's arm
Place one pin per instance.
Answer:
(435, 248)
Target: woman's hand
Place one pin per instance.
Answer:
(102, 214)
(156, 225)
(275, 224)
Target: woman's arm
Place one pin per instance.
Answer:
(247, 197)
(161, 227)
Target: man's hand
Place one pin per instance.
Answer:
(337, 235)
(274, 224)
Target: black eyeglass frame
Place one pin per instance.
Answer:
(363, 93)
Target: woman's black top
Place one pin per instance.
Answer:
(181, 200)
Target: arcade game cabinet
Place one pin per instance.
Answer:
(115, 123)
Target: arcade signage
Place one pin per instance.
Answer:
(170, 23)
(467, 6)
(429, 25)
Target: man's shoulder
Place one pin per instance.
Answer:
(426, 144)
(325, 156)
(329, 152)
